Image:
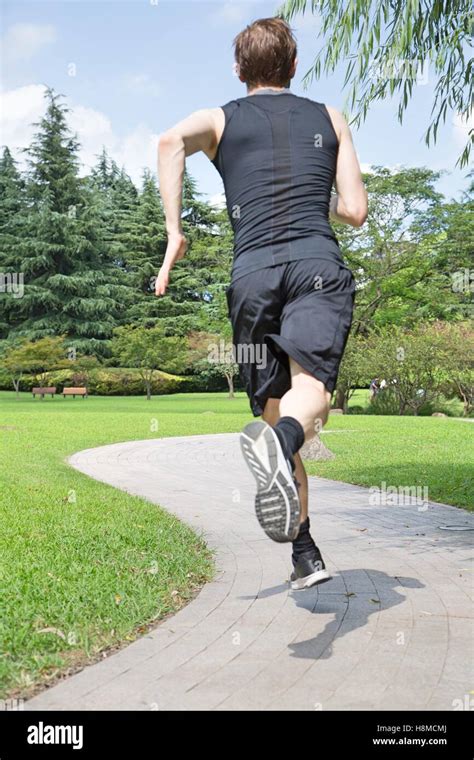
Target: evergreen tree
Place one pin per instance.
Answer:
(71, 287)
(144, 237)
(12, 189)
(116, 199)
(199, 280)
(12, 203)
(103, 174)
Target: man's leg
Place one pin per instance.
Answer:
(302, 410)
(271, 451)
(305, 405)
(281, 509)
(307, 400)
(271, 414)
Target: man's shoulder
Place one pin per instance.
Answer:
(334, 113)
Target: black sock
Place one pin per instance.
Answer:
(303, 542)
(290, 434)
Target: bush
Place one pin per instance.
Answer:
(450, 408)
(118, 381)
(108, 381)
(356, 409)
(202, 384)
(385, 402)
(113, 381)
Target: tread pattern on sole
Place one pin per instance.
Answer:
(277, 503)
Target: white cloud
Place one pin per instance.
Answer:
(142, 84)
(20, 108)
(23, 41)
(135, 150)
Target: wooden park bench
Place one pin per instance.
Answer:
(43, 392)
(75, 392)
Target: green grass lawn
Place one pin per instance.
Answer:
(85, 567)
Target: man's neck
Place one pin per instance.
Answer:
(256, 90)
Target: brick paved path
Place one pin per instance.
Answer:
(392, 630)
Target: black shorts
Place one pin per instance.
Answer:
(301, 309)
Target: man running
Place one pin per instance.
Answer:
(291, 292)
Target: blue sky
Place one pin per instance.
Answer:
(132, 68)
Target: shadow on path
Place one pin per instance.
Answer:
(382, 597)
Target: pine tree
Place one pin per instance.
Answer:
(144, 237)
(12, 189)
(71, 287)
(12, 204)
(197, 282)
(116, 198)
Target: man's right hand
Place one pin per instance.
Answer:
(175, 251)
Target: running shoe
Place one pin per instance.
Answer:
(309, 570)
(277, 503)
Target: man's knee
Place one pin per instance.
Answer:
(313, 390)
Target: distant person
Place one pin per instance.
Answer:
(374, 388)
(279, 156)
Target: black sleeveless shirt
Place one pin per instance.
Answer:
(277, 159)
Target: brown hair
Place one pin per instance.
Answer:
(265, 52)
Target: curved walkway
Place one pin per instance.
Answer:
(392, 630)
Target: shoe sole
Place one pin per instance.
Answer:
(277, 504)
(321, 576)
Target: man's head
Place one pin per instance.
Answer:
(265, 54)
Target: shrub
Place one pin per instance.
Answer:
(356, 409)
(203, 384)
(441, 404)
(385, 402)
(109, 381)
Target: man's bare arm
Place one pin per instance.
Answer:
(349, 206)
(199, 131)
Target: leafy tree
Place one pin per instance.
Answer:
(398, 256)
(353, 372)
(214, 357)
(389, 45)
(453, 251)
(459, 351)
(14, 363)
(148, 349)
(39, 357)
(414, 364)
(82, 367)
